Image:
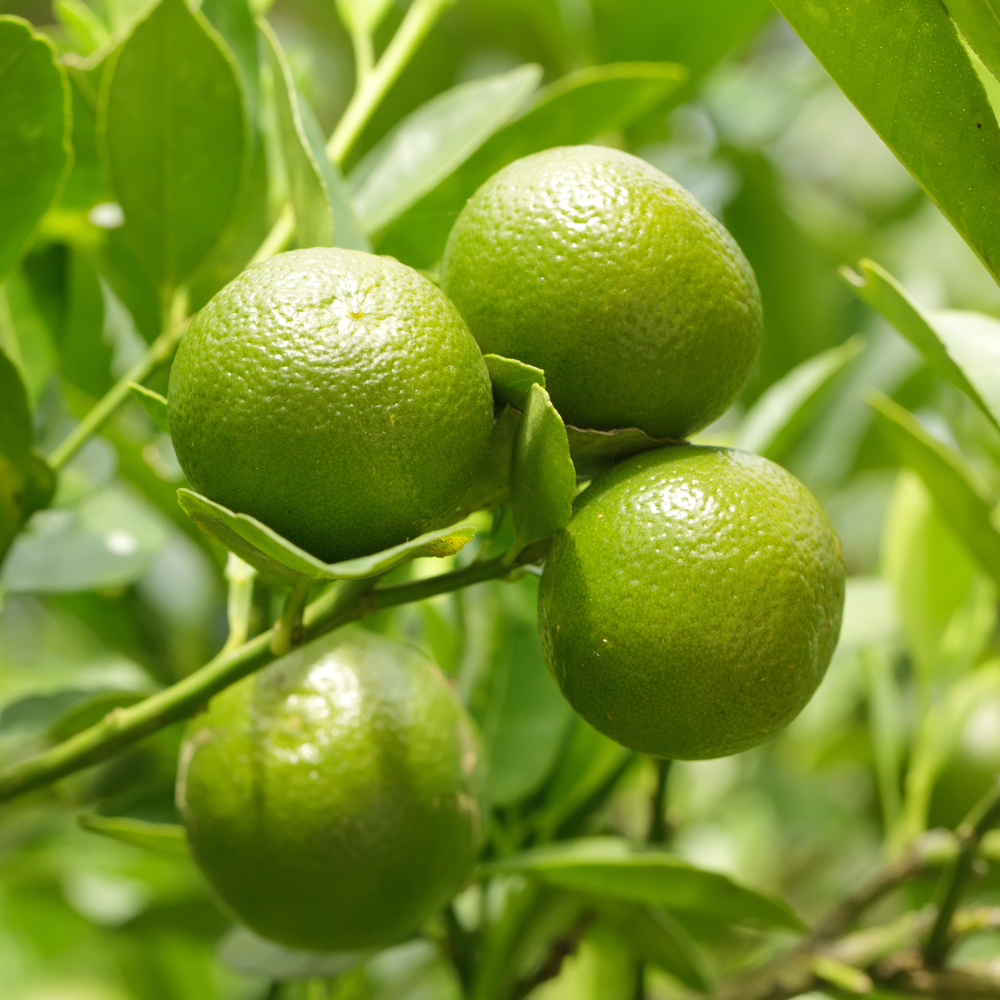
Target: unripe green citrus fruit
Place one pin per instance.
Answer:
(334, 395)
(333, 800)
(596, 267)
(692, 605)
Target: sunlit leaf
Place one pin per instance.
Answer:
(234, 21)
(512, 380)
(963, 352)
(609, 866)
(153, 403)
(35, 129)
(902, 65)
(265, 549)
(432, 142)
(572, 110)
(963, 502)
(777, 419)
(176, 172)
(979, 22)
(168, 838)
(543, 480)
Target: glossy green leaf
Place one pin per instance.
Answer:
(610, 867)
(595, 451)
(428, 145)
(654, 935)
(177, 171)
(542, 478)
(979, 22)
(35, 129)
(963, 354)
(512, 380)
(234, 21)
(107, 540)
(307, 188)
(264, 548)
(964, 503)
(153, 403)
(362, 16)
(167, 838)
(903, 66)
(572, 110)
(776, 420)
(245, 952)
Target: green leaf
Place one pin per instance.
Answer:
(15, 447)
(107, 540)
(491, 487)
(610, 867)
(429, 144)
(979, 22)
(307, 188)
(245, 952)
(902, 64)
(265, 549)
(39, 485)
(153, 403)
(35, 129)
(175, 133)
(88, 30)
(542, 477)
(964, 503)
(572, 110)
(512, 380)
(655, 936)
(167, 838)
(775, 422)
(362, 16)
(595, 451)
(234, 21)
(963, 354)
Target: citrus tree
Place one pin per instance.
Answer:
(413, 572)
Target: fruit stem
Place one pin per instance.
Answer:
(158, 353)
(239, 605)
(120, 728)
(983, 817)
(416, 24)
(289, 631)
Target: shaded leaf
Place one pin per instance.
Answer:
(176, 172)
(655, 936)
(570, 111)
(512, 380)
(168, 838)
(965, 356)
(979, 22)
(542, 480)
(107, 540)
(15, 446)
(432, 142)
(35, 129)
(234, 21)
(963, 502)
(153, 403)
(265, 549)
(595, 451)
(610, 867)
(491, 487)
(776, 420)
(245, 952)
(310, 200)
(902, 65)
(39, 485)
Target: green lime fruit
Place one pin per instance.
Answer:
(334, 395)
(599, 269)
(691, 607)
(333, 800)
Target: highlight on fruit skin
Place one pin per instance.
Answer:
(607, 274)
(334, 800)
(694, 602)
(334, 395)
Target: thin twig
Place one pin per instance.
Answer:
(983, 817)
(658, 827)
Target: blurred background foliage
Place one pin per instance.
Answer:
(113, 593)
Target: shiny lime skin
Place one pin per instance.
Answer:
(596, 267)
(691, 607)
(334, 395)
(333, 800)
